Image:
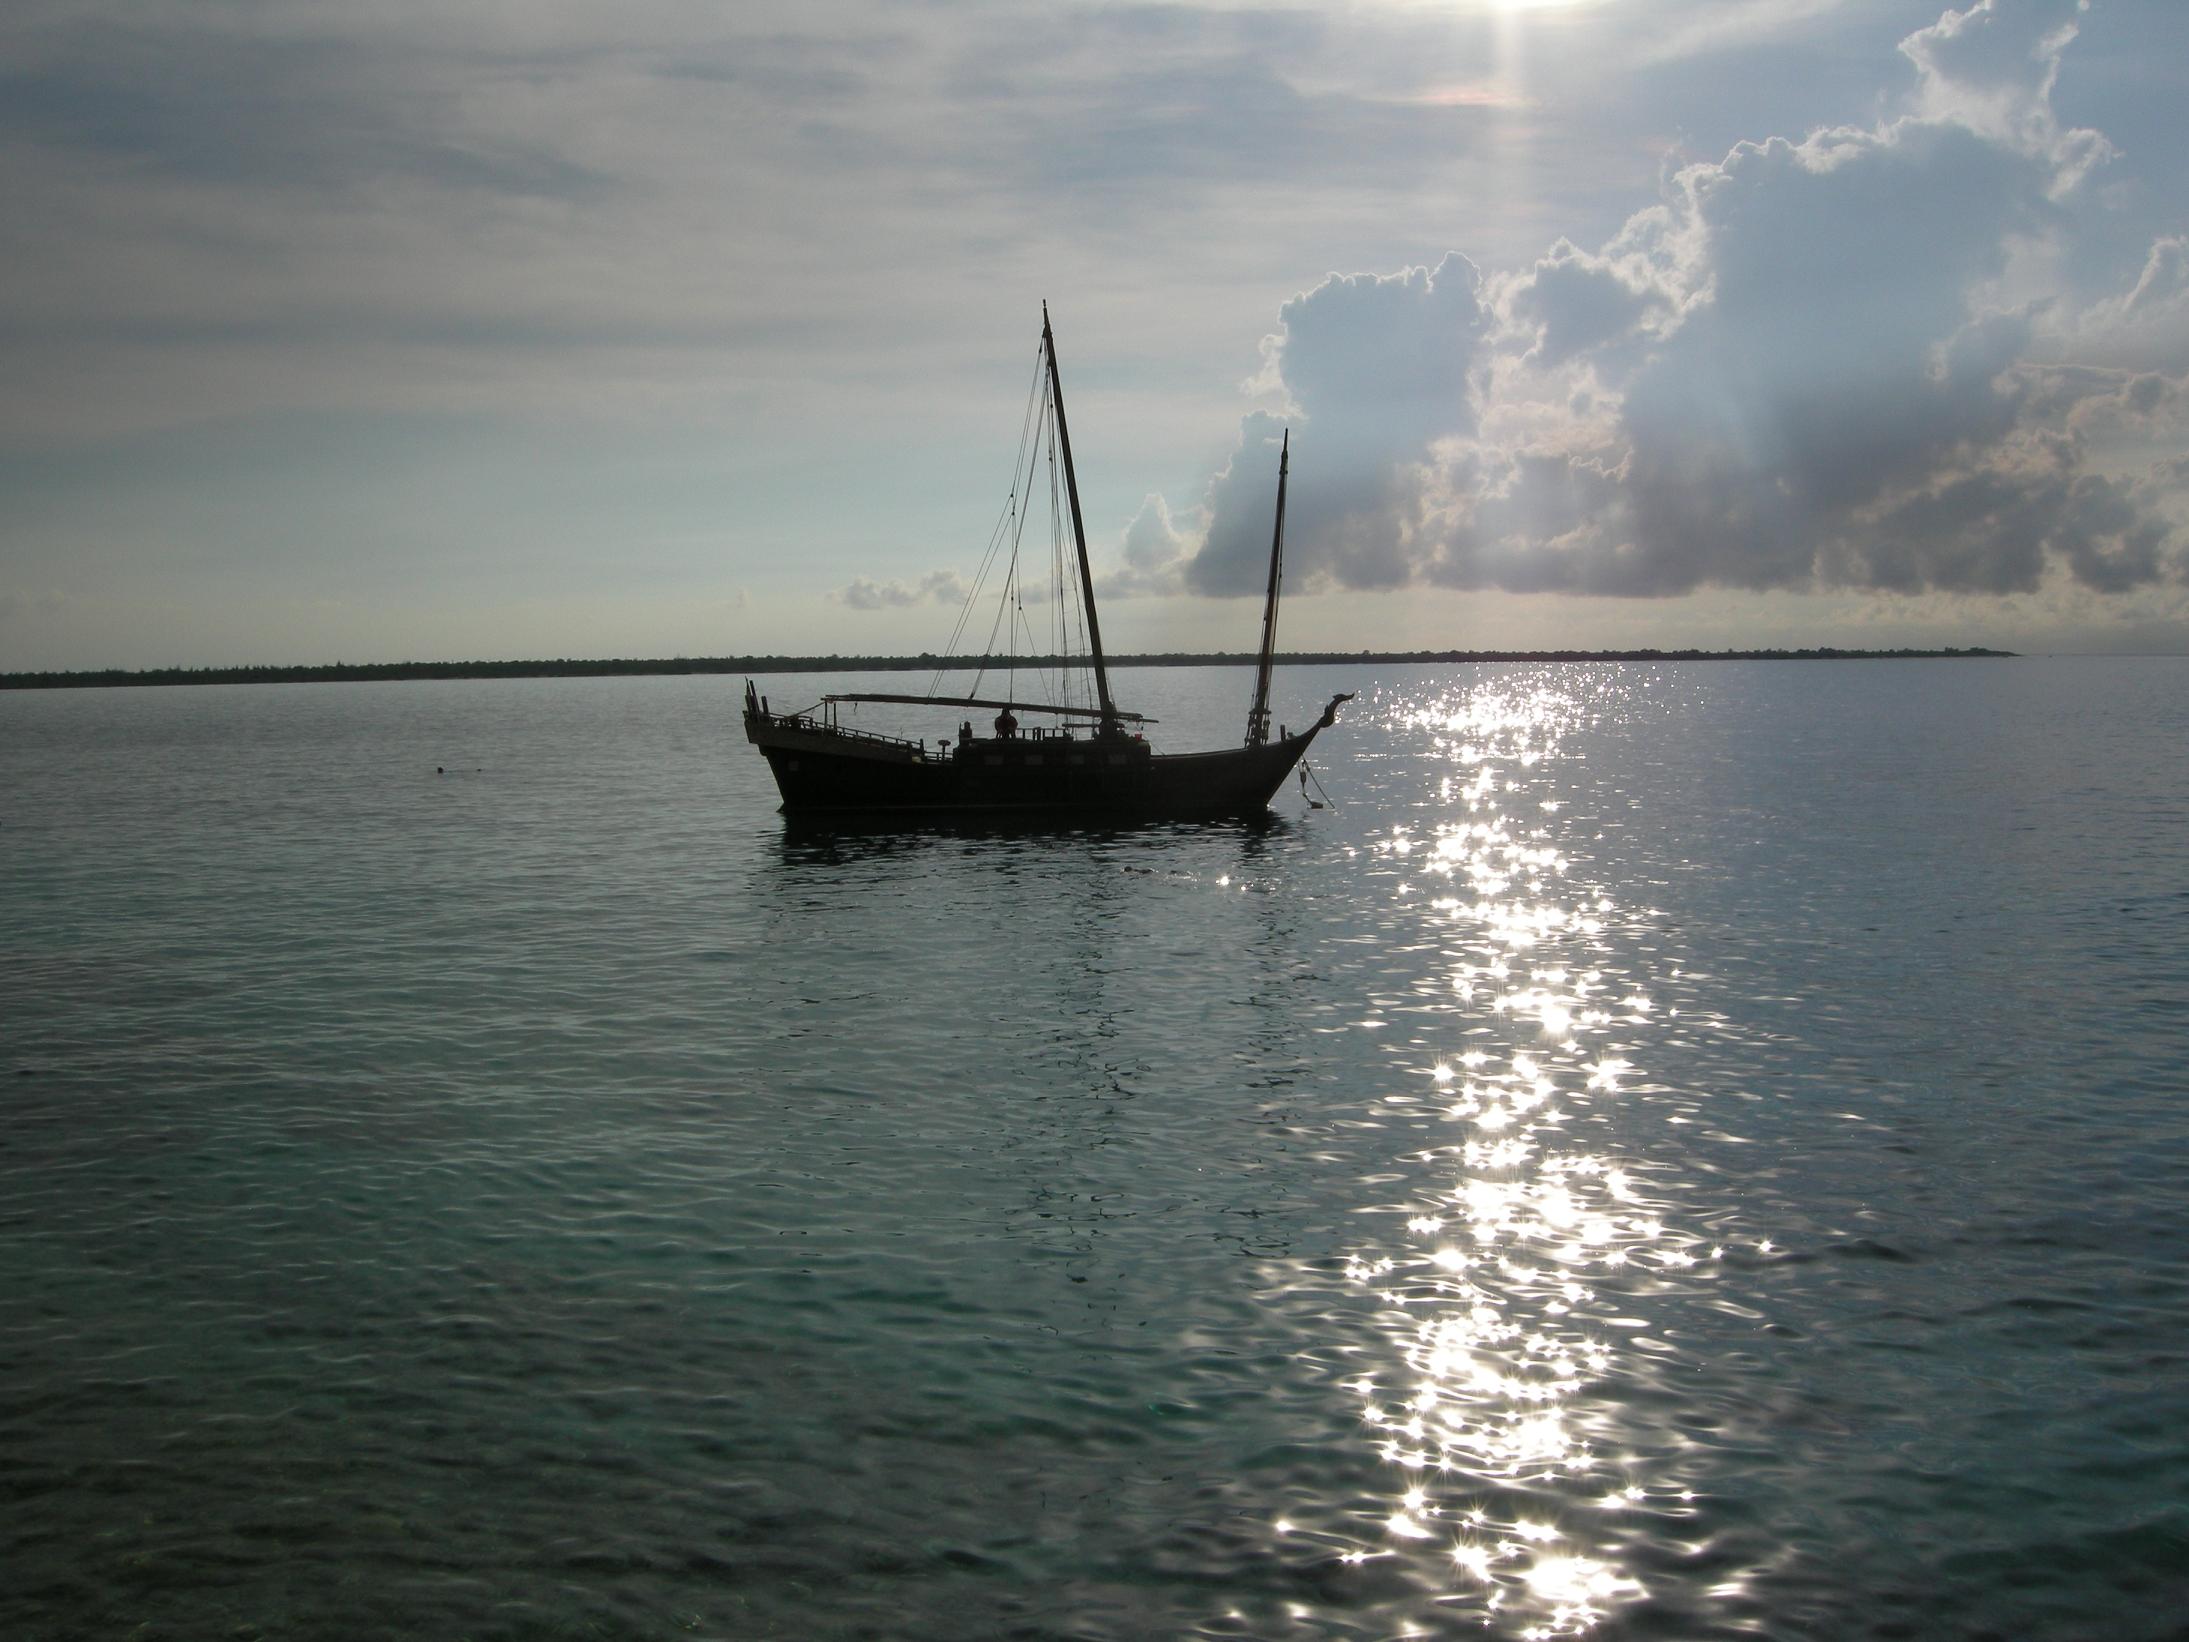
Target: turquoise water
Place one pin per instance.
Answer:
(1694, 1150)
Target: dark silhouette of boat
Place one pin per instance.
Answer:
(1091, 763)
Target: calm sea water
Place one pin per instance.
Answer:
(1692, 1151)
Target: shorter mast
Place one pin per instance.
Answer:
(1258, 714)
(1079, 532)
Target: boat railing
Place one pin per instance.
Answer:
(821, 726)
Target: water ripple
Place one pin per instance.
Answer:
(1641, 1165)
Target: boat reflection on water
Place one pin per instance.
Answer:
(839, 840)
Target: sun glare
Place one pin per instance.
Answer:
(1530, 1242)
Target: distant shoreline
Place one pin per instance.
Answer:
(757, 666)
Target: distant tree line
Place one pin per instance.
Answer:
(343, 672)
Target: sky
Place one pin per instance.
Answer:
(439, 329)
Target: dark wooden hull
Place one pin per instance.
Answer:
(820, 769)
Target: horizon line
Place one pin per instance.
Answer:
(337, 672)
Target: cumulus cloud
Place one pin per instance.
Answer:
(1154, 555)
(1381, 365)
(936, 587)
(1815, 363)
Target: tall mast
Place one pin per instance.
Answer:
(1079, 530)
(1258, 714)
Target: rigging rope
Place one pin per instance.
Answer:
(1012, 516)
(1307, 774)
(1018, 533)
(1068, 623)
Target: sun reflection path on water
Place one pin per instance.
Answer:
(1508, 1298)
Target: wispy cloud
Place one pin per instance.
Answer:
(1720, 25)
(937, 587)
